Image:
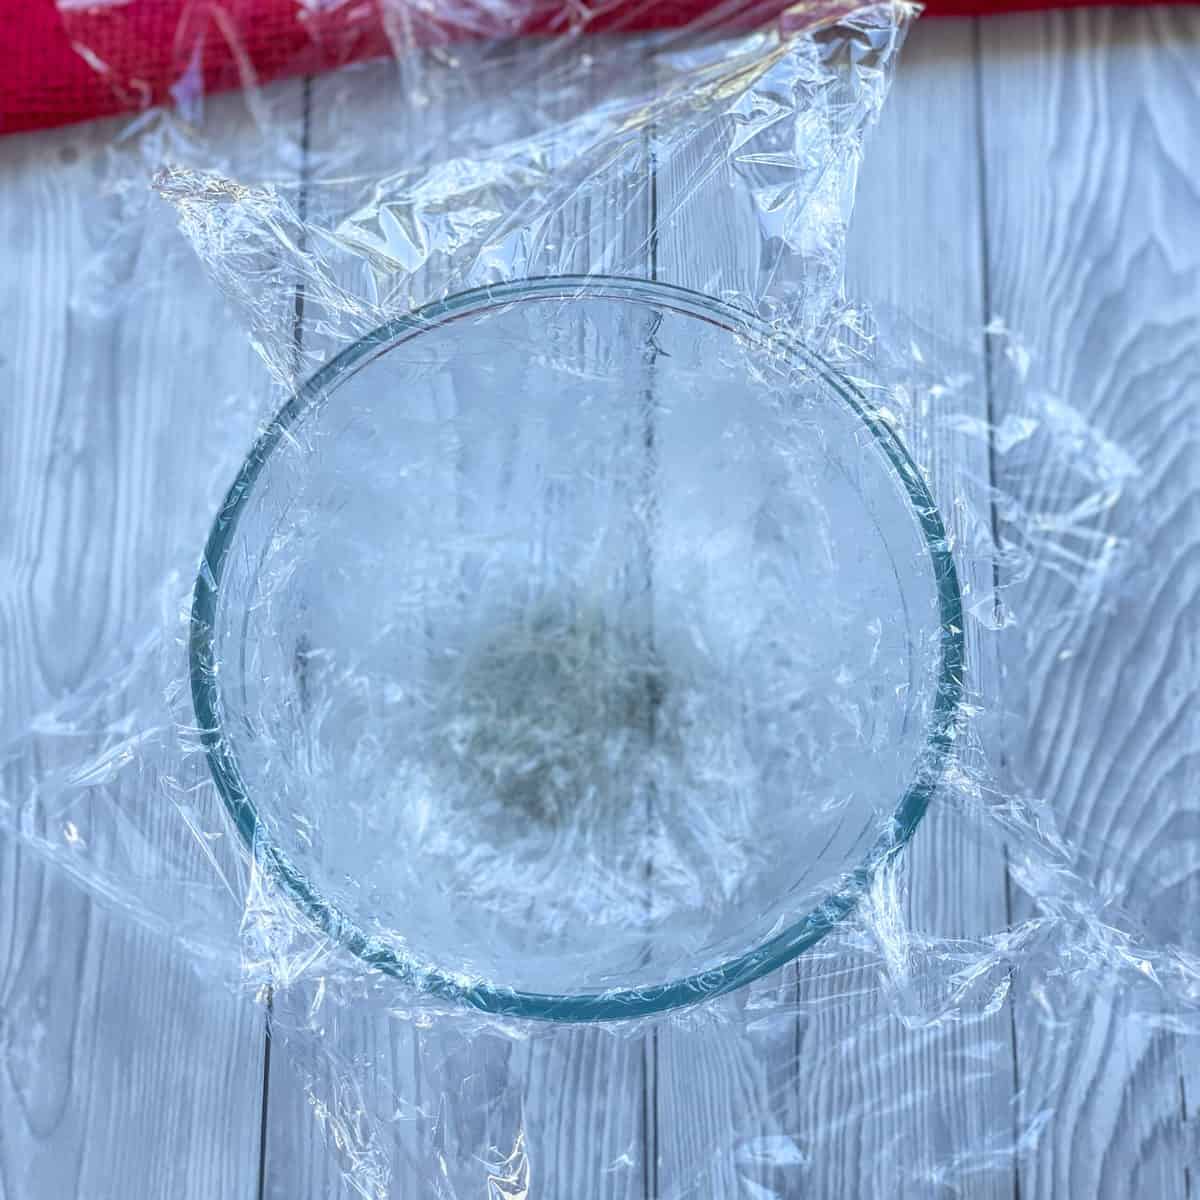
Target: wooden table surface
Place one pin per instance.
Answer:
(1044, 170)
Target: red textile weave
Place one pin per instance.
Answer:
(141, 52)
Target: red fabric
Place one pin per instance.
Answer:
(142, 52)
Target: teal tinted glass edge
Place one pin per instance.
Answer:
(621, 1004)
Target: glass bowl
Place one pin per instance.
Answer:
(576, 648)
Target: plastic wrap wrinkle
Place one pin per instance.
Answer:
(584, 642)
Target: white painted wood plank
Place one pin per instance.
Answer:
(709, 1086)
(1091, 142)
(127, 1071)
(852, 1103)
(565, 1105)
(913, 1111)
(362, 1061)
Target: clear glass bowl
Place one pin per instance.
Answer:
(576, 648)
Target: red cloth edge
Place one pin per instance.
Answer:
(112, 58)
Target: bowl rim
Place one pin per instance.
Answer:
(618, 1003)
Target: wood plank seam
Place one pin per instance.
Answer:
(297, 368)
(994, 521)
(1088, 128)
(650, 1181)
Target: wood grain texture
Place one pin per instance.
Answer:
(123, 1070)
(362, 1059)
(846, 1101)
(562, 1109)
(921, 1111)
(1091, 141)
(853, 1103)
(121, 1073)
(709, 1089)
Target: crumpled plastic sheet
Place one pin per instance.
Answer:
(579, 642)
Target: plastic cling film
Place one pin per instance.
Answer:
(568, 672)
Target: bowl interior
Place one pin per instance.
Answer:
(575, 642)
